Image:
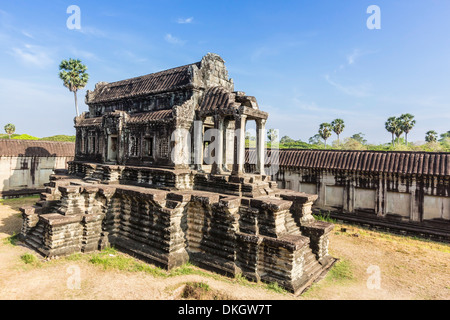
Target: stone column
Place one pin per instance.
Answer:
(198, 145)
(218, 150)
(239, 146)
(260, 145)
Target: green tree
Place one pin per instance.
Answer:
(390, 126)
(359, 137)
(286, 139)
(444, 136)
(315, 139)
(338, 126)
(325, 131)
(10, 129)
(431, 136)
(74, 77)
(272, 135)
(407, 122)
(393, 125)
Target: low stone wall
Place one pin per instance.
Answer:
(25, 166)
(404, 192)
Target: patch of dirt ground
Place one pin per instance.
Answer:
(372, 265)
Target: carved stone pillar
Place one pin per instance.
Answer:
(218, 151)
(260, 145)
(198, 145)
(239, 146)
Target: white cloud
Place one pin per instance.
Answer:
(130, 56)
(26, 34)
(351, 58)
(85, 54)
(92, 31)
(362, 90)
(32, 55)
(174, 40)
(185, 21)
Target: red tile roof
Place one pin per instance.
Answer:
(30, 148)
(427, 163)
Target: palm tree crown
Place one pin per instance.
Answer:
(325, 131)
(74, 76)
(338, 126)
(10, 129)
(431, 136)
(406, 124)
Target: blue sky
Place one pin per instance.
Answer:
(307, 62)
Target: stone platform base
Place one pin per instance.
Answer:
(269, 238)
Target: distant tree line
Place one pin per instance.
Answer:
(399, 127)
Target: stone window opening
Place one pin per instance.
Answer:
(91, 143)
(134, 146)
(148, 146)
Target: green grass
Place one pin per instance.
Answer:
(11, 240)
(341, 271)
(326, 217)
(274, 286)
(12, 201)
(110, 258)
(30, 259)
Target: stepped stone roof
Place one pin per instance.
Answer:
(31, 148)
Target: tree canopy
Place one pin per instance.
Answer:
(10, 129)
(74, 76)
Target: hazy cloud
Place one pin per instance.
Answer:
(185, 21)
(32, 55)
(362, 90)
(174, 40)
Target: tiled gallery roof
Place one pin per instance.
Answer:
(217, 98)
(29, 148)
(155, 82)
(427, 163)
(90, 122)
(151, 116)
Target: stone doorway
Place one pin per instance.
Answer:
(112, 149)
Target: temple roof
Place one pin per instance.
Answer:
(151, 116)
(427, 163)
(166, 80)
(30, 148)
(217, 98)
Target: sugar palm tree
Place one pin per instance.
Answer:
(391, 126)
(407, 122)
(10, 129)
(325, 131)
(74, 76)
(338, 126)
(431, 136)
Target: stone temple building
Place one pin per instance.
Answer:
(159, 173)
